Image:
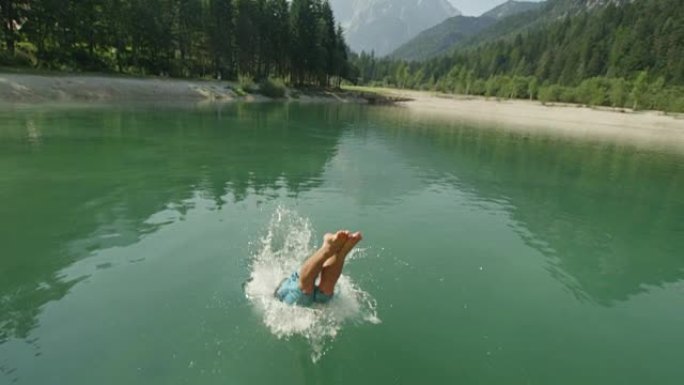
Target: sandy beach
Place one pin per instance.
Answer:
(650, 128)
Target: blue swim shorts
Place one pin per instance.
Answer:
(290, 293)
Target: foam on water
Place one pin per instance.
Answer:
(286, 244)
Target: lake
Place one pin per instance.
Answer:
(139, 245)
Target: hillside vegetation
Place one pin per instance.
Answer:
(442, 38)
(621, 54)
(510, 8)
(460, 31)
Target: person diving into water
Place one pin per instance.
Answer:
(301, 289)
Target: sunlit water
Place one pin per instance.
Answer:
(142, 245)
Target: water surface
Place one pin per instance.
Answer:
(490, 256)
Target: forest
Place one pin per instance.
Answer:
(628, 56)
(624, 56)
(295, 40)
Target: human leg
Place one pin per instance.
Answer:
(312, 267)
(332, 267)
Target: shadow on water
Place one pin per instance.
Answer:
(75, 181)
(608, 217)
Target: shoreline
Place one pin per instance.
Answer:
(649, 128)
(17, 88)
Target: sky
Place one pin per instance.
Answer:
(477, 7)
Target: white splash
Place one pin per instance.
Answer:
(280, 252)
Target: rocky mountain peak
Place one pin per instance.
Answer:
(383, 25)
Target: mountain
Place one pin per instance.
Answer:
(457, 30)
(624, 54)
(563, 8)
(383, 25)
(510, 8)
(503, 21)
(546, 12)
(442, 38)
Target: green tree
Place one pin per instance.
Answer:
(279, 35)
(304, 26)
(656, 93)
(492, 86)
(639, 90)
(247, 37)
(533, 88)
(329, 48)
(343, 66)
(618, 93)
(402, 75)
(221, 37)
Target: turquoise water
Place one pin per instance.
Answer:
(490, 256)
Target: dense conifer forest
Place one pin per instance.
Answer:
(629, 55)
(297, 40)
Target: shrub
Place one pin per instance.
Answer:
(18, 60)
(549, 93)
(671, 100)
(83, 60)
(247, 84)
(478, 87)
(618, 92)
(568, 95)
(533, 87)
(676, 105)
(273, 88)
(491, 87)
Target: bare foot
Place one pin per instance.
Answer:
(352, 240)
(333, 242)
(332, 268)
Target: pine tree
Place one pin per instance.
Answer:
(304, 27)
(247, 37)
(221, 32)
(329, 41)
(279, 35)
(341, 57)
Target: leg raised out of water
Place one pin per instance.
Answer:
(332, 268)
(332, 243)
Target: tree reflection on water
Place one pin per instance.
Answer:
(80, 180)
(569, 198)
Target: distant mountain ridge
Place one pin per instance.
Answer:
(445, 36)
(442, 38)
(621, 54)
(546, 12)
(559, 8)
(507, 19)
(510, 8)
(381, 26)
